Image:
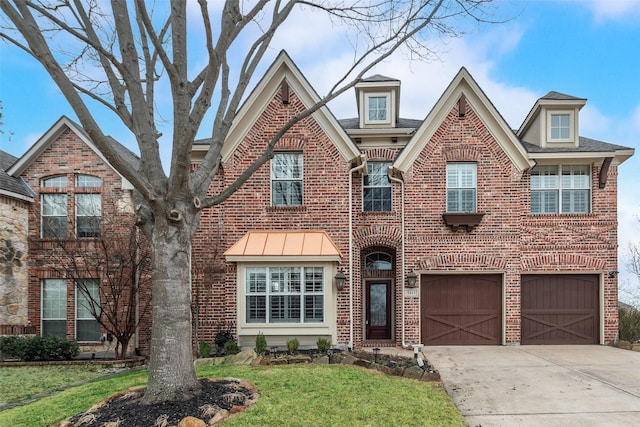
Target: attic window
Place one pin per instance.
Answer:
(377, 108)
(560, 126)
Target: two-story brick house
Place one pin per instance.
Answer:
(385, 231)
(57, 200)
(381, 230)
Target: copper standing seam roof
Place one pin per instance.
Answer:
(293, 243)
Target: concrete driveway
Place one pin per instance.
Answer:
(541, 385)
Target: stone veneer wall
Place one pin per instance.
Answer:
(14, 271)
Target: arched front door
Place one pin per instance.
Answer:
(378, 273)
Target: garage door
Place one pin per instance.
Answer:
(461, 309)
(560, 309)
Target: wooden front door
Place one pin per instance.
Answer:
(378, 312)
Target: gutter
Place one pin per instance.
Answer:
(363, 165)
(401, 182)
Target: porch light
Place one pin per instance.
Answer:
(340, 280)
(411, 279)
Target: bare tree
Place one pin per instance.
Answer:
(135, 48)
(110, 265)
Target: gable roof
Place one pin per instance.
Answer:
(551, 99)
(557, 96)
(464, 84)
(11, 186)
(284, 68)
(60, 126)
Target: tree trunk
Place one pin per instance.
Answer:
(171, 372)
(121, 353)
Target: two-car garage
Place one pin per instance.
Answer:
(467, 309)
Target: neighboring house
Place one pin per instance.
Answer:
(380, 230)
(57, 194)
(454, 229)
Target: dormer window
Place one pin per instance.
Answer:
(560, 126)
(377, 108)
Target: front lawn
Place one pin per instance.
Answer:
(293, 395)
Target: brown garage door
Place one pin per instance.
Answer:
(461, 309)
(560, 309)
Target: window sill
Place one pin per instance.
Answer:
(286, 208)
(467, 220)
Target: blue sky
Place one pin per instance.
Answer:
(585, 48)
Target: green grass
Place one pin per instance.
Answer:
(295, 395)
(24, 382)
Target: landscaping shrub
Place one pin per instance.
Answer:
(230, 347)
(261, 343)
(39, 348)
(292, 345)
(629, 324)
(222, 338)
(204, 349)
(323, 345)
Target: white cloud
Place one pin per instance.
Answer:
(613, 10)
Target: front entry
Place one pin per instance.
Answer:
(378, 315)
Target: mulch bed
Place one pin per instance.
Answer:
(218, 399)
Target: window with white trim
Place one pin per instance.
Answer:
(87, 303)
(284, 294)
(286, 179)
(560, 126)
(561, 189)
(54, 209)
(88, 207)
(376, 188)
(462, 184)
(377, 108)
(54, 308)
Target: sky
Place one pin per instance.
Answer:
(585, 48)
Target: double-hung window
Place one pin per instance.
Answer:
(87, 303)
(286, 179)
(284, 294)
(88, 207)
(461, 187)
(376, 188)
(54, 209)
(54, 308)
(560, 189)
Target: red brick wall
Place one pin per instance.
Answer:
(68, 155)
(509, 239)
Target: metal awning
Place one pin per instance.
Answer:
(275, 245)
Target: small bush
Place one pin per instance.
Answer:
(261, 343)
(204, 349)
(230, 347)
(39, 348)
(222, 338)
(629, 324)
(323, 345)
(292, 345)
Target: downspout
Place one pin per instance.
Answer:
(363, 165)
(401, 182)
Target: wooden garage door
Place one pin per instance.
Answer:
(461, 309)
(560, 309)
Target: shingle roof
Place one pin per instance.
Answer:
(586, 145)
(557, 96)
(354, 123)
(9, 183)
(378, 78)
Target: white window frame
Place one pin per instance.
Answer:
(378, 203)
(561, 185)
(299, 179)
(61, 306)
(367, 100)
(57, 181)
(460, 187)
(83, 314)
(274, 289)
(93, 210)
(570, 115)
